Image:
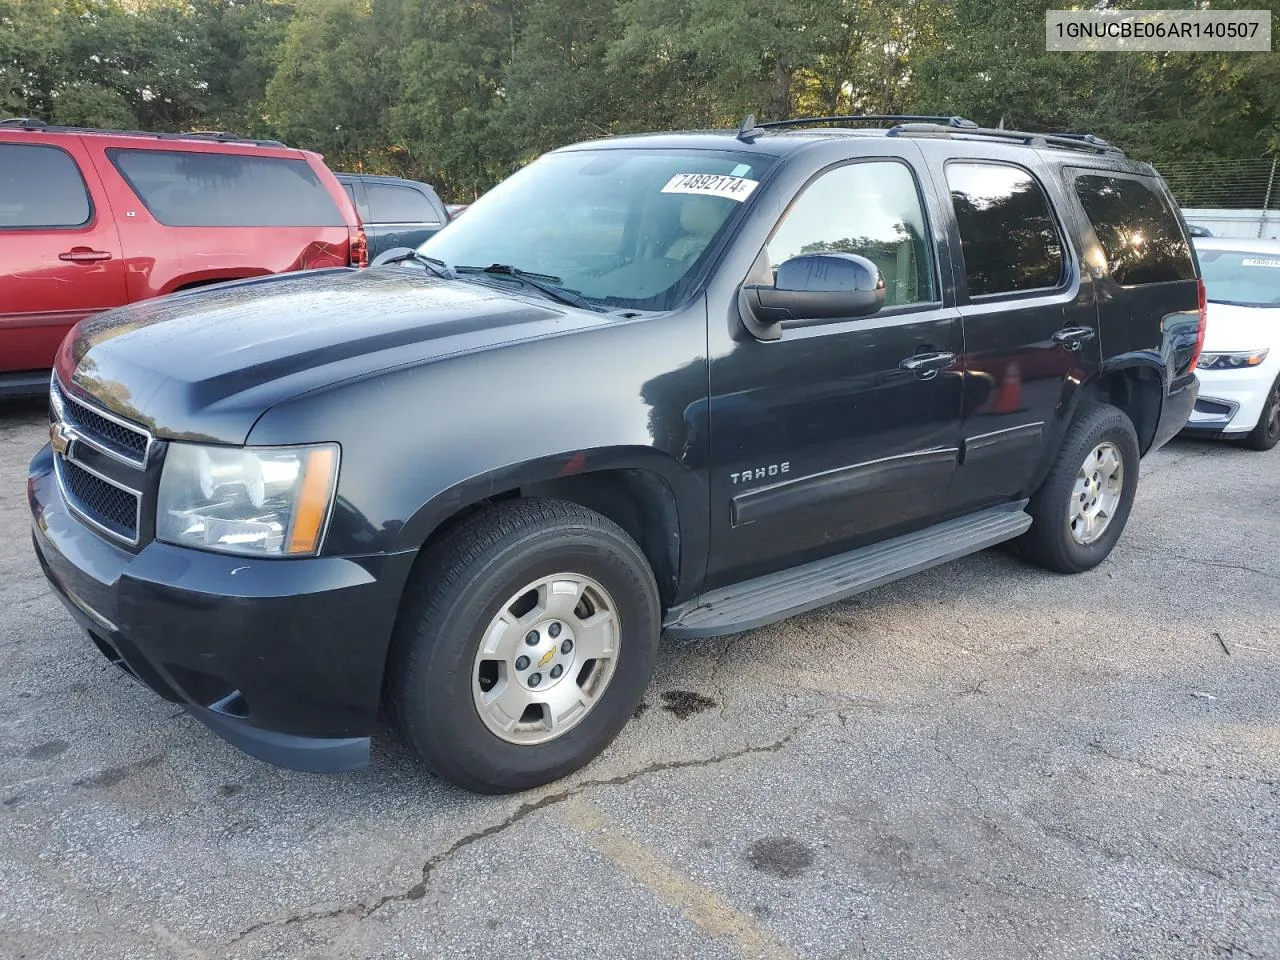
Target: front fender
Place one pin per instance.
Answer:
(421, 442)
(686, 489)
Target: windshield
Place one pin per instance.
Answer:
(622, 228)
(1241, 278)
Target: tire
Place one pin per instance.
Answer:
(1051, 542)
(1267, 433)
(437, 674)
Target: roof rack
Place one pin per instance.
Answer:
(1070, 141)
(29, 123)
(750, 129)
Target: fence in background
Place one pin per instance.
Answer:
(1233, 198)
(1239, 224)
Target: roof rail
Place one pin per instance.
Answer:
(27, 123)
(1070, 141)
(956, 122)
(223, 137)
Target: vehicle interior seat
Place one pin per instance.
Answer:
(700, 218)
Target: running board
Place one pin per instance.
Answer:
(753, 603)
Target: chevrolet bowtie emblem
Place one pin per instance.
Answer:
(59, 438)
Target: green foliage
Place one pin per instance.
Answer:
(461, 92)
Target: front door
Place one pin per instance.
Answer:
(59, 253)
(845, 431)
(1030, 321)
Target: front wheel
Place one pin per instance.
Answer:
(1267, 433)
(1081, 508)
(527, 639)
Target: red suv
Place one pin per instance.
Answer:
(93, 219)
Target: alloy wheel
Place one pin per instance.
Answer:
(1096, 494)
(546, 658)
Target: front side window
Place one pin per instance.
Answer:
(1008, 237)
(624, 228)
(1139, 233)
(40, 187)
(871, 209)
(190, 189)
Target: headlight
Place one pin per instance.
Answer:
(1232, 361)
(263, 501)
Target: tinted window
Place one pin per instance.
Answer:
(1138, 231)
(871, 209)
(351, 191)
(390, 204)
(1246, 278)
(1007, 235)
(40, 187)
(227, 190)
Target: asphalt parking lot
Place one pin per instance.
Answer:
(984, 761)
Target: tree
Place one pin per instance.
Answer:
(330, 91)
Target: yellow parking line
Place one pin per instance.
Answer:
(702, 907)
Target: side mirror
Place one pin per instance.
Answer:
(814, 286)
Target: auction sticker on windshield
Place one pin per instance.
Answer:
(1259, 262)
(711, 185)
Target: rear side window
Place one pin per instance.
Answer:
(1138, 231)
(1008, 237)
(227, 190)
(41, 187)
(392, 204)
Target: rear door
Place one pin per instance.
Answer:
(59, 251)
(1148, 298)
(208, 213)
(399, 215)
(1030, 323)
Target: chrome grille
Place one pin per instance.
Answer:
(113, 437)
(101, 464)
(99, 501)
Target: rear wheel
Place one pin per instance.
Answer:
(525, 643)
(1081, 508)
(1267, 433)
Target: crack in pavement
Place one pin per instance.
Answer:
(1207, 562)
(1207, 772)
(360, 911)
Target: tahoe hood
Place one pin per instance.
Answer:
(206, 364)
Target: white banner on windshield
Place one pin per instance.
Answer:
(711, 185)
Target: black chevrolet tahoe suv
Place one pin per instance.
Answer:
(683, 383)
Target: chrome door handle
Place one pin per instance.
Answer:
(926, 365)
(84, 256)
(1073, 337)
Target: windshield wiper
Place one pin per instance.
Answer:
(538, 281)
(433, 265)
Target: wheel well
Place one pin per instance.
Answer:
(1138, 392)
(639, 501)
(205, 283)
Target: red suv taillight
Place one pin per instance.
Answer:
(359, 247)
(1204, 323)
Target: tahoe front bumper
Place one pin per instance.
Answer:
(282, 658)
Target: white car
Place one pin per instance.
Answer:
(1239, 370)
